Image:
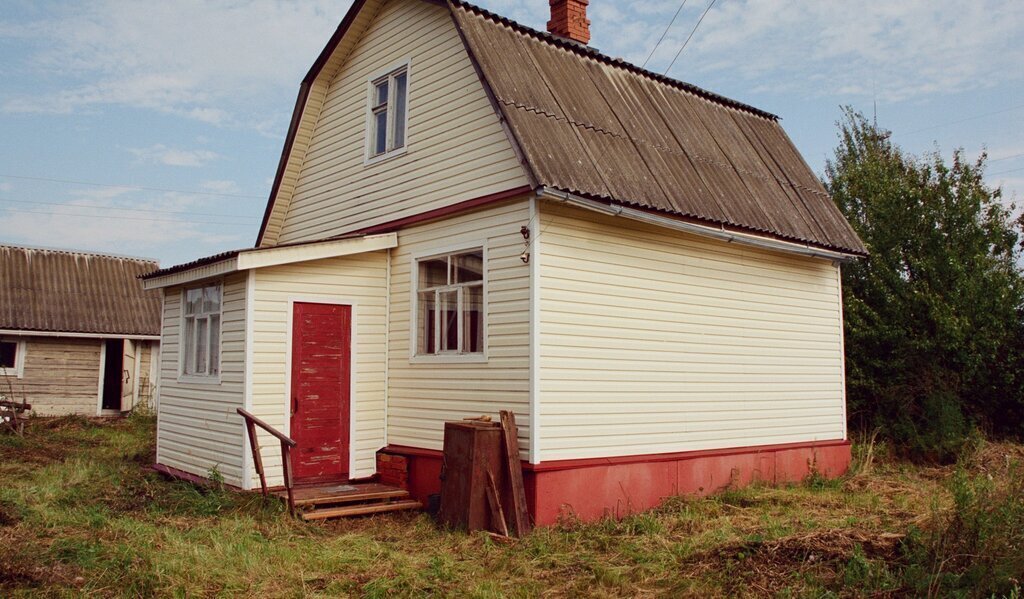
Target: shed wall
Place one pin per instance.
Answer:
(197, 426)
(360, 280)
(422, 396)
(456, 151)
(653, 341)
(61, 376)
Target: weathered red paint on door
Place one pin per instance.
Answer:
(321, 373)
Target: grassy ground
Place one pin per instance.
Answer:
(79, 513)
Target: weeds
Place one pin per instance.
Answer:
(81, 514)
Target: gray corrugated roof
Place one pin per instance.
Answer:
(598, 127)
(75, 292)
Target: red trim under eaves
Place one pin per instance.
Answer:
(445, 211)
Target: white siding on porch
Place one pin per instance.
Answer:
(655, 341)
(457, 149)
(422, 396)
(198, 428)
(362, 279)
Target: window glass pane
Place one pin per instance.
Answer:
(8, 354)
(399, 111)
(449, 310)
(202, 343)
(193, 299)
(380, 95)
(189, 326)
(380, 132)
(433, 273)
(425, 323)
(211, 299)
(469, 267)
(214, 344)
(473, 319)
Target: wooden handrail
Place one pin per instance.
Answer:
(263, 425)
(287, 443)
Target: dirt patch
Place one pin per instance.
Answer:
(9, 513)
(768, 566)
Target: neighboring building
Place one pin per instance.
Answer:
(471, 216)
(78, 335)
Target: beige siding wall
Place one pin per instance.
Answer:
(61, 375)
(360, 280)
(197, 426)
(422, 396)
(653, 341)
(457, 149)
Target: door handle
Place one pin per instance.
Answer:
(295, 404)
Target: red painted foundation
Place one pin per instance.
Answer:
(595, 488)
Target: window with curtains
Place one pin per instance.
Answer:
(201, 316)
(450, 304)
(387, 113)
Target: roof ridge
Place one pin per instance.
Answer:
(615, 62)
(97, 254)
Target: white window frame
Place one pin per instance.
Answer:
(389, 74)
(208, 379)
(18, 371)
(414, 332)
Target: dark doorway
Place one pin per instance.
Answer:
(112, 374)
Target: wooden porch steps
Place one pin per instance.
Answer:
(339, 500)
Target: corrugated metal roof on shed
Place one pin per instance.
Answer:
(598, 127)
(71, 292)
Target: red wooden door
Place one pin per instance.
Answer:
(321, 375)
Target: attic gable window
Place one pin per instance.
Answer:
(387, 115)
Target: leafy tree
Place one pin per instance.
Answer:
(935, 315)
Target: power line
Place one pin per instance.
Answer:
(1012, 170)
(124, 209)
(662, 38)
(1006, 157)
(136, 187)
(116, 217)
(963, 120)
(699, 21)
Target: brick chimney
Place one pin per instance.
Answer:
(569, 20)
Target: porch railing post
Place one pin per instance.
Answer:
(251, 422)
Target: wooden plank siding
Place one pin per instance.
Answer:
(422, 396)
(654, 341)
(360, 279)
(197, 426)
(456, 147)
(60, 377)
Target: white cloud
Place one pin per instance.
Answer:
(161, 154)
(229, 187)
(211, 61)
(124, 221)
(903, 50)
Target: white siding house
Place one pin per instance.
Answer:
(471, 216)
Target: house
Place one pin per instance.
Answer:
(78, 334)
(469, 216)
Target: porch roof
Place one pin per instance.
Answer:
(252, 258)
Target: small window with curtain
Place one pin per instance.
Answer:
(450, 304)
(388, 115)
(200, 323)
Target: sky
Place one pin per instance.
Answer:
(154, 128)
